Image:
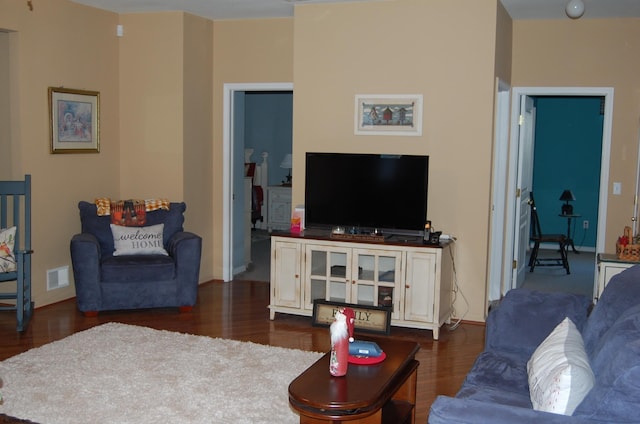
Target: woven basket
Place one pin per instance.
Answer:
(630, 252)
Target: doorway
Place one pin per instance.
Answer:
(512, 202)
(233, 160)
(566, 162)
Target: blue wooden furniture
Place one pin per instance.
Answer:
(15, 210)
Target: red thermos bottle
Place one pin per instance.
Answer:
(341, 334)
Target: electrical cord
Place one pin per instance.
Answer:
(584, 236)
(456, 290)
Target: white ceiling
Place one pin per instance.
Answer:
(254, 9)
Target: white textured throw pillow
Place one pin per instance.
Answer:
(559, 372)
(138, 240)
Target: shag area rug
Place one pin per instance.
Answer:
(117, 373)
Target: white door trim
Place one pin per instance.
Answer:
(227, 163)
(498, 190)
(517, 93)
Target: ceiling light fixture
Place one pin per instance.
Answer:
(574, 9)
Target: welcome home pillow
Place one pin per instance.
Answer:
(559, 372)
(7, 241)
(138, 240)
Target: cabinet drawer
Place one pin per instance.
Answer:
(277, 196)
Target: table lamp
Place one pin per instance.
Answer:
(567, 196)
(287, 163)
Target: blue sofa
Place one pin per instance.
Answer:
(107, 282)
(496, 390)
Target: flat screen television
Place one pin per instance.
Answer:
(366, 192)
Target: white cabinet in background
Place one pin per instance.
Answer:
(608, 266)
(278, 208)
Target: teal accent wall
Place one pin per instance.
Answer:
(567, 154)
(269, 128)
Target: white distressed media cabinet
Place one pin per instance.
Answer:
(415, 279)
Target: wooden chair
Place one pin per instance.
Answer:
(538, 237)
(15, 249)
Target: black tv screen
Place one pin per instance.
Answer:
(366, 191)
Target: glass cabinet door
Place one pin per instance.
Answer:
(376, 276)
(327, 275)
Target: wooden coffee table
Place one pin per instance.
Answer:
(382, 393)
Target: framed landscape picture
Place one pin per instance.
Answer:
(388, 114)
(74, 117)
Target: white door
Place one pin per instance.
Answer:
(523, 192)
(498, 285)
(228, 127)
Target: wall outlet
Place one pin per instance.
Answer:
(585, 224)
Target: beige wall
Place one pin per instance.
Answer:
(591, 53)
(162, 84)
(165, 114)
(246, 51)
(162, 68)
(60, 44)
(197, 152)
(332, 58)
(408, 47)
(504, 37)
(5, 119)
(151, 105)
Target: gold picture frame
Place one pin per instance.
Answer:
(369, 319)
(74, 120)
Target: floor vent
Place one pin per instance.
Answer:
(58, 277)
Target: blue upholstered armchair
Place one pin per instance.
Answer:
(105, 281)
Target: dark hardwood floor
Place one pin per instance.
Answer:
(238, 310)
